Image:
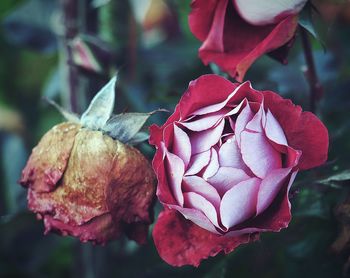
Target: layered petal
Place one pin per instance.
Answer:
(239, 203)
(303, 130)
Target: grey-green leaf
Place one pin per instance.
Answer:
(139, 138)
(124, 127)
(101, 107)
(337, 178)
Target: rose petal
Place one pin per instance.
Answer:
(243, 118)
(204, 140)
(196, 201)
(265, 12)
(303, 130)
(258, 154)
(226, 178)
(198, 162)
(213, 165)
(197, 217)
(175, 169)
(274, 218)
(230, 155)
(269, 188)
(218, 106)
(181, 242)
(214, 39)
(256, 123)
(205, 122)
(239, 203)
(163, 192)
(50, 158)
(182, 145)
(203, 188)
(273, 130)
(215, 89)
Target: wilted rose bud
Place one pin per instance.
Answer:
(84, 183)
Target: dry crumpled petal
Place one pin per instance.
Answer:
(84, 183)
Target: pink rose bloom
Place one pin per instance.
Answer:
(237, 32)
(225, 162)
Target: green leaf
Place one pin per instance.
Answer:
(101, 107)
(306, 20)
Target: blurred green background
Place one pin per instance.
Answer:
(149, 43)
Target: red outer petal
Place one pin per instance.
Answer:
(204, 91)
(180, 242)
(304, 131)
(242, 42)
(201, 17)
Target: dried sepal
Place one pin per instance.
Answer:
(69, 116)
(101, 107)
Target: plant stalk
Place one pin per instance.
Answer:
(316, 89)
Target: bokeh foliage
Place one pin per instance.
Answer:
(156, 56)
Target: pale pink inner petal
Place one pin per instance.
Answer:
(204, 122)
(197, 217)
(203, 188)
(237, 108)
(213, 165)
(219, 106)
(204, 140)
(269, 188)
(256, 123)
(230, 155)
(239, 203)
(176, 169)
(182, 145)
(226, 178)
(273, 130)
(194, 200)
(242, 119)
(258, 12)
(198, 162)
(258, 154)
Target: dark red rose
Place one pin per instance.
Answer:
(225, 162)
(237, 32)
(86, 184)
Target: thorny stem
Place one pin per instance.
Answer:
(316, 89)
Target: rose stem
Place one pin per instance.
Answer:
(71, 75)
(311, 74)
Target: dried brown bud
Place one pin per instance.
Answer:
(86, 184)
